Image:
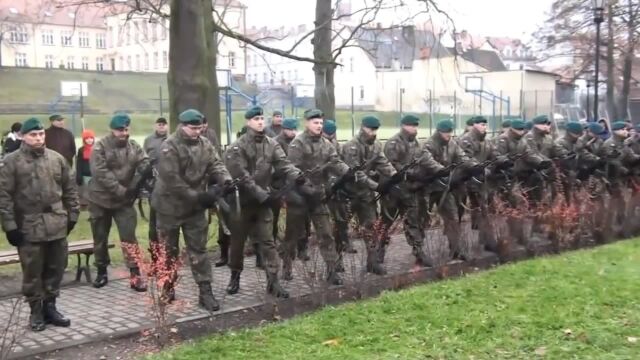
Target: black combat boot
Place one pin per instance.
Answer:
(274, 288)
(421, 258)
(287, 269)
(52, 315)
(333, 277)
(339, 268)
(373, 266)
(205, 298)
(234, 282)
(382, 251)
(36, 318)
(101, 279)
(136, 281)
(224, 255)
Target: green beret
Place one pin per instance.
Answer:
(506, 124)
(277, 113)
(371, 122)
(618, 125)
(290, 123)
(479, 120)
(191, 116)
(518, 124)
(527, 125)
(574, 127)
(541, 120)
(445, 126)
(313, 114)
(31, 124)
(329, 127)
(120, 121)
(56, 117)
(410, 120)
(596, 128)
(253, 112)
(470, 121)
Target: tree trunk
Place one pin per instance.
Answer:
(623, 99)
(611, 77)
(192, 61)
(324, 85)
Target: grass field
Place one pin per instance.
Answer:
(581, 305)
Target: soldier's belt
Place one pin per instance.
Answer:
(45, 209)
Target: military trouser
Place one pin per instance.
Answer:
(536, 187)
(224, 239)
(126, 221)
(405, 205)
(480, 219)
(256, 222)
(194, 230)
(448, 211)
(297, 219)
(43, 265)
(618, 206)
(366, 213)
(338, 206)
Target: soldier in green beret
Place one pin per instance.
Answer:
(256, 157)
(117, 163)
(284, 138)
(614, 152)
(365, 149)
(38, 208)
(187, 164)
(276, 126)
(469, 124)
(573, 131)
(402, 149)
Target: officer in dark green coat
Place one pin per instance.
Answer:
(255, 157)
(38, 209)
(187, 164)
(118, 164)
(403, 149)
(364, 150)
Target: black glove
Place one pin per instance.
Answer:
(70, 226)
(273, 200)
(349, 176)
(442, 173)
(131, 193)
(15, 237)
(384, 186)
(545, 164)
(476, 171)
(206, 199)
(505, 164)
(300, 180)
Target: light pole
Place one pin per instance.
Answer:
(588, 106)
(598, 18)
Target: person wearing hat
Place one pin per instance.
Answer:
(210, 134)
(39, 208)
(447, 152)
(83, 167)
(256, 157)
(365, 149)
(117, 163)
(13, 139)
(573, 131)
(187, 164)
(401, 150)
(276, 127)
(288, 132)
(329, 132)
(469, 124)
(506, 125)
(615, 153)
(59, 139)
(312, 153)
(589, 150)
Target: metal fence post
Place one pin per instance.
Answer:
(455, 109)
(353, 114)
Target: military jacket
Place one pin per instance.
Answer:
(308, 152)
(152, 145)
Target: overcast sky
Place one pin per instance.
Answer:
(510, 18)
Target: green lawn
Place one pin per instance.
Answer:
(581, 305)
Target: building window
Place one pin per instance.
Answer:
(165, 59)
(145, 30)
(121, 63)
(351, 64)
(289, 75)
(361, 92)
(99, 64)
(136, 32)
(295, 74)
(109, 37)
(65, 38)
(128, 33)
(101, 41)
(146, 62)
(48, 61)
(83, 39)
(281, 75)
(156, 60)
(70, 62)
(129, 67)
(154, 31)
(232, 60)
(164, 26)
(19, 36)
(47, 37)
(138, 64)
(21, 59)
(84, 63)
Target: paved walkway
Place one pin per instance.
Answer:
(97, 314)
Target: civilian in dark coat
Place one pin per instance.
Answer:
(59, 139)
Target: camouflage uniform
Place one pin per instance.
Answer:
(185, 167)
(316, 155)
(614, 151)
(152, 146)
(256, 156)
(401, 149)
(339, 212)
(38, 198)
(114, 165)
(363, 204)
(447, 153)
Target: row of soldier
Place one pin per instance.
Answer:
(321, 182)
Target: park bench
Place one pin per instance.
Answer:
(77, 248)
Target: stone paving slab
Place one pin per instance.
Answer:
(115, 310)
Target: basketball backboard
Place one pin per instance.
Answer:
(74, 88)
(473, 83)
(224, 78)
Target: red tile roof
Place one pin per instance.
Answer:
(52, 12)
